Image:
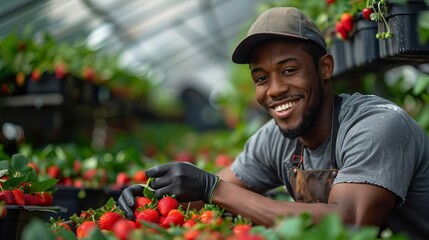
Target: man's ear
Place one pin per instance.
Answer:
(326, 66)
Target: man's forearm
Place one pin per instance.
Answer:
(260, 209)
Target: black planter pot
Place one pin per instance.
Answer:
(405, 44)
(18, 217)
(76, 90)
(342, 51)
(76, 200)
(365, 43)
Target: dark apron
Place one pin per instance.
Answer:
(314, 186)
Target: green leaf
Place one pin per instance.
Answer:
(43, 186)
(365, 233)
(96, 234)
(14, 182)
(4, 164)
(291, 228)
(67, 235)
(37, 230)
(421, 85)
(3, 172)
(19, 162)
(423, 27)
(147, 192)
(331, 227)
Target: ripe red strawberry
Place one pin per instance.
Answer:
(122, 179)
(86, 214)
(347, 20)
(175, 217)
(241, 229)
(341, 31)
(191, 234)
(77, 166)
(8, 197)
(53, 171)
(89, 174)
(150, 215)
(88, 73)
(35, 75)
(207, 216)
(142, 201)
(166, 204)
(60, 70)
(140, 177)
(4, 89)
(64, 225)
(108, 219)
(34, 166)
(366, 13)
(189, 223)
(223, 160)
(78, 183)
(44, 198)
(19, 197)
(184, 157)
(123, 227)
(85, 228)
(30, 199)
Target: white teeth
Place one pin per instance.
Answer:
(284, 106)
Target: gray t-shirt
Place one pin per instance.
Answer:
(377, 143)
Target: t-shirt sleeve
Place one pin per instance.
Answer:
(254, 165)
(378, 147)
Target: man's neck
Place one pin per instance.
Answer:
(322, 127)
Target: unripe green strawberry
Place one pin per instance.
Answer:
(166, 204)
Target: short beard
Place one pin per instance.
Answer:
(308, 121)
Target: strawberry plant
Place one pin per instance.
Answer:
(21, 185)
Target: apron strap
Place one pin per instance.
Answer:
(298, 157)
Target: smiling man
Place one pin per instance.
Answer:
(360, 156)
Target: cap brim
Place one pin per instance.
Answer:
(242, 52)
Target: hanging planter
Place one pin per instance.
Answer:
(342, 51)
(402, 22)
(365, 44)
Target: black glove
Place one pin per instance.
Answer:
(183, 180)
(127, 201)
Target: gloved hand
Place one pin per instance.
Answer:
(127, 200)
(183, 180)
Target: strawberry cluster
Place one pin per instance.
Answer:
(155, 217)
(344, 26)
(20, 184)
(18, 197)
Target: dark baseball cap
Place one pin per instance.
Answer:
(278, 22)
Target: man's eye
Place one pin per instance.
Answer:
(288, 71)
(260, 79)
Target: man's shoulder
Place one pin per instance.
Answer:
(355, 104)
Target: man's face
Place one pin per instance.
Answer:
(288, 85)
